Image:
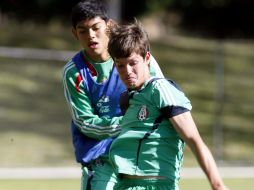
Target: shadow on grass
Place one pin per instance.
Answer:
(32, 102)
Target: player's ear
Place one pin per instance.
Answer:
(74, 32)
(147, 57)
(110, 24)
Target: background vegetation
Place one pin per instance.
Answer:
(210, 18)
(34, 118)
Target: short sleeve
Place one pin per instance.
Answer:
(169, 98)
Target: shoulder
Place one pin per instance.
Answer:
(70, 65)
(163, 87)
(69, 69)
(166, 93)
(171, 83)
(155, 68)
(161, 83)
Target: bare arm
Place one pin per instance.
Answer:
(186, 128)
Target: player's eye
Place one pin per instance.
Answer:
(82, 31)
(120, 66)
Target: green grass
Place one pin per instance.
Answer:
(34, 118)
(67, 184)
(202, 184)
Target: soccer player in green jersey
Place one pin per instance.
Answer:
(92, 89)
(148, 153)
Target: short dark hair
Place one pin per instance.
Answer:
(88, 9)
(128, 38)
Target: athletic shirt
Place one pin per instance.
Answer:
(161, 154)
(87, 118)
(105, 102)
(102, 69)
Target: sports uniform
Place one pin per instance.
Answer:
(148, 144)
(92, 91)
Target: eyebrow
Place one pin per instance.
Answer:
(85, 27)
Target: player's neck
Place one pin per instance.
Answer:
(98, 57)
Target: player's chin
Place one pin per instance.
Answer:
(132, 86)
(95, 49)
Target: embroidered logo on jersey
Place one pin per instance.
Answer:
(143, 113)
(103, 104)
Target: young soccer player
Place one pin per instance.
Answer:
(92, 88)
(148, 153)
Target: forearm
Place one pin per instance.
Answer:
(208, 165)
(91, 124)
(98, 128)
(187, 129)
(83, 114)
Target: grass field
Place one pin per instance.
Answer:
(34, 118)
(73, 184)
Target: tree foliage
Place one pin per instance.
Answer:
(217, 18)
(37, 10)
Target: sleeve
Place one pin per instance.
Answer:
(81, 109)
(170, 99)
(155, 70)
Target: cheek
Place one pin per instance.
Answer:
(121, 71)
(141, 71)
(105, 38)
(102, 32)
(82, 38)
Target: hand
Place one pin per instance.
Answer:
(220, 187)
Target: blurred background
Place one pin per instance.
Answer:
(206, 46)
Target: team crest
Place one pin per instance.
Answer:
(143, 113)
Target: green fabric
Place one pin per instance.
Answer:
(145, 184)
(103, 69)
(82, 113)
(84, 178)
(80, 104)
(82, 110)
(104, 177)
(162, 153)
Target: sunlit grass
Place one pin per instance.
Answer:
(67, 184)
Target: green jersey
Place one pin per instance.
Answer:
(161, 154)
(88, 121)
(81, 108)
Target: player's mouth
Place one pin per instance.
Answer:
(130, 81)
(93, 45)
